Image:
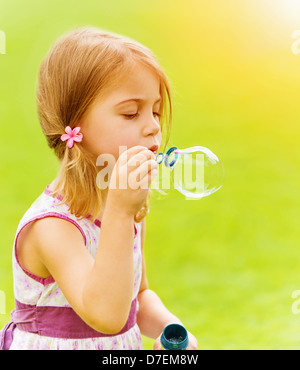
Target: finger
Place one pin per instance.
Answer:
(157, 344)
(145, 168)
(193, 344)
(190, 348)
(142, 174)
(134, 150)
(140, 157)
(128, 153)
(146, 181)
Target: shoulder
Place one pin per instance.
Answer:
(43, 237)
(52, 228)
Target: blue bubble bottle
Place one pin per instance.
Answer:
(174, 337)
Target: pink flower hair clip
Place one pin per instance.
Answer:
(71, 136)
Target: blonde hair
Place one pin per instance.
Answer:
(81, 66)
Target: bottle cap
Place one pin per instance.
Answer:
(174, 337)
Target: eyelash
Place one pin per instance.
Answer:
(132, 116)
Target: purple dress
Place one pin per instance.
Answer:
(43, 318)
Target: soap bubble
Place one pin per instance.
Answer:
(195, 172)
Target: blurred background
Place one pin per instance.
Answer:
(226, 265)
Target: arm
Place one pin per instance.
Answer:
(100, 290)
(153, 316)
(109, 285)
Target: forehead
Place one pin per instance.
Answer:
(140, 82)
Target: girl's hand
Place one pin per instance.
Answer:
(193, 344)
(130, 180)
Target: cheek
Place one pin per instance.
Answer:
(93, 142)
(126, 140)
(111, 143)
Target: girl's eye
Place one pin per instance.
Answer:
(130, 116)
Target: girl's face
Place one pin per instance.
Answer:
(128, 116)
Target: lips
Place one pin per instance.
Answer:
(153, 148)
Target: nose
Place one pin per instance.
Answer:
(152, 126)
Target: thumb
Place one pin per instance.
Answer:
(157, 344)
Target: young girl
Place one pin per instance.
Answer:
(78, 264)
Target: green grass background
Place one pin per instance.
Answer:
(226, 265)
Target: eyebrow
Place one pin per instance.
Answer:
(136, 100)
